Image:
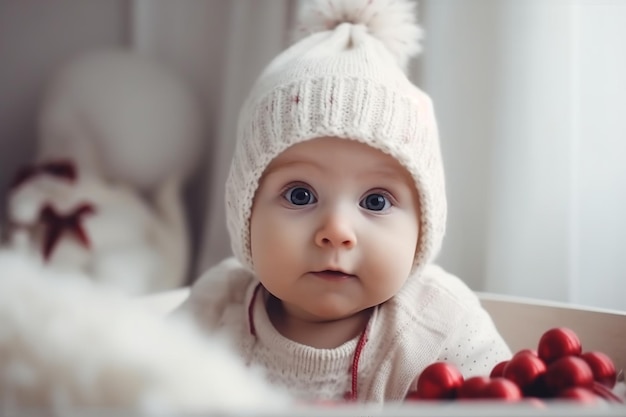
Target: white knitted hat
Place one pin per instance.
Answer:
(344, 79)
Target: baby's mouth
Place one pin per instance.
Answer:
(330, 274)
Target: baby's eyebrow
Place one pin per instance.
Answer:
(384, 173)
(291, 164)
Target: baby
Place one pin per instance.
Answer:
(336, 210)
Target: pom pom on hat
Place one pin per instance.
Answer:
(393, 22)
(343, 80)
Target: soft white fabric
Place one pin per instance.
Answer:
(67, 343)
(134, 245)
(130, 128)
(435, 317)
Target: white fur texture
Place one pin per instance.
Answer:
(67, 343)
(136, 247)
(393, 22)
(123, 116)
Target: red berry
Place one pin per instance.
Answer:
(473, 387)
(570, 371)
(579, 394)
(524, 369)
(602, 368)
(525, 351)
(502, 388)
(498, 369)
(439, 380)
(557, 343)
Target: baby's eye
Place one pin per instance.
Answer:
(375, 202)
(299, 196)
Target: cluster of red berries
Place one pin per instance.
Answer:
(557, 369)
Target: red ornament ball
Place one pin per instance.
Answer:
(530, 351)
(473, 387)
(498, 370)
(556, 370)
(525, 368)
(557, 343)
(502, 389)
(439, 380)
(567, 372)
(602, 367)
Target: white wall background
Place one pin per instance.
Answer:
(530, 97)
(531, 106)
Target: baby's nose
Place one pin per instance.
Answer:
(336, 231)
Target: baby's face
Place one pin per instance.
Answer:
(334, 228)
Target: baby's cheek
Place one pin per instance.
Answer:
(391, 260)
(275, 240)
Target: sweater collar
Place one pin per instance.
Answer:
(347, 358)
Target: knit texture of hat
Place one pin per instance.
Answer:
(345, 78)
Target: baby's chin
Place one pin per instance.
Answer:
(333, 311)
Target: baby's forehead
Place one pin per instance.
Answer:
(330, 147)
(331, 155)
(327, 147)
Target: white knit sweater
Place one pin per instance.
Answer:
(435, 317)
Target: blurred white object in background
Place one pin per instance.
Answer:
(68, 345)
(103, 230)
(123, 115)
(118, 140)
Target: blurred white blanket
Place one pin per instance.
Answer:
(66, 342)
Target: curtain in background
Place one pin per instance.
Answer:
(223, 46)
(530, 98)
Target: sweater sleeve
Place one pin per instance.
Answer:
(475, 346)
(473, 343)
(436, 317)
